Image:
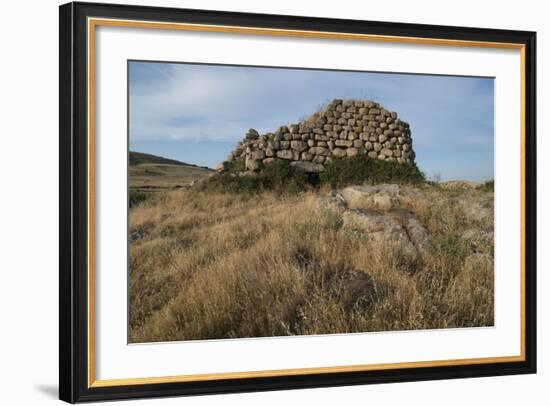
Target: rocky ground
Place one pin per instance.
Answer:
(378, 213)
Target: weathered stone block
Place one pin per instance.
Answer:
(306, 156)
(293, 129)
(318, 159)
(339, 152)
(387, 152)
(372, 154)
(274, 145)
(257, 155)
(284, 154)
(343, 143)
(252, 134)
(352, 151)
(298, 145)
(318, 151)
(319, 137)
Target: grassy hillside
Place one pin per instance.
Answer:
(148, 174)
(223, 265)
(137, 158)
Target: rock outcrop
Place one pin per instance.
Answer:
(385, 224)
(343, 128)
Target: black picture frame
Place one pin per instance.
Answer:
(73, 256)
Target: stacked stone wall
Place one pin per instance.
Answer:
(343, 128)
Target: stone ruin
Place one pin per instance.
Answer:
(343, 128)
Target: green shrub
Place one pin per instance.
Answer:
(357, 170)
(278, 176)
(281, 177)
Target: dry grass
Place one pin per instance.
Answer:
(158, 176)
(206, 265)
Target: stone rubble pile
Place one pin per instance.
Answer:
(343, 128)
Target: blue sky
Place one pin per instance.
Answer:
(197, 113)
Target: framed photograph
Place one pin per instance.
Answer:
(257, 202)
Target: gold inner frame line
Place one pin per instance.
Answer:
(94, 22)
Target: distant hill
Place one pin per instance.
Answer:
(151, 173)
(138, 158)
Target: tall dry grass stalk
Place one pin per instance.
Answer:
(205, 265)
